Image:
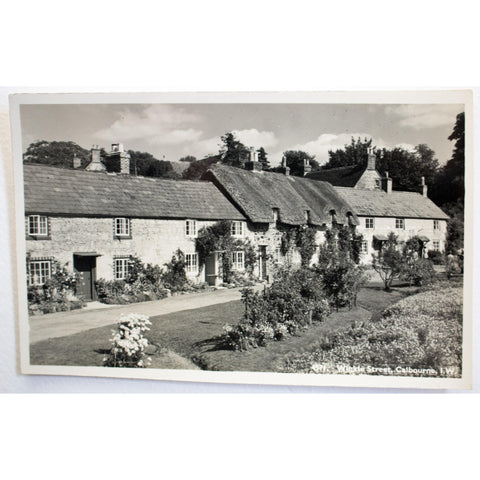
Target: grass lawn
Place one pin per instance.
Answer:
(189, 334)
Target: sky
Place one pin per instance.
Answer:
(171, 131)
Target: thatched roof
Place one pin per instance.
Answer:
(377, 203)
(61, 191)
(341, 176)
(256, 194)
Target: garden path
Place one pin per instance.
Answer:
(53, 325)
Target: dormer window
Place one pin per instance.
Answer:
(38, 225)
(122, 227)
(238, 229)
(191, 228)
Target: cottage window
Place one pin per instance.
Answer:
(121, 268)
(122, 227)
(436, 245)
(369, 223)
(400, 223)
(364, 247)
(39, 271)
(237, 229)
(191, 228)
(238, 261)
(191, 262)
(38, 225)
(277, 256)
(436, 225)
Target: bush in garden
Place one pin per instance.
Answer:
(291, 303)
(423, 331)
(418, 271)
(389, 262)
(436, 257)
(175, 276)
(128, 342)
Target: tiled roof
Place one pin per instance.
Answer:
(50, 190)
(341, 176)
(377, 203)
(258, 193)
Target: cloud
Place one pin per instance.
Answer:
(253, 137)
(332, 141)
(155, 125)
(424, 116)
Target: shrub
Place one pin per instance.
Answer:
(421, 332)
(291, 303)
(128, 342)
(436, 257)
(175, 277)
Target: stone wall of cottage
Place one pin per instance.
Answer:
(412, 227)
(370, 180)
(152, 240)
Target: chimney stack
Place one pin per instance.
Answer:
(77, 162)
(371, 159)
(96, 164)
(307, 168)
(283, 168)
(424, 188)
(387, 183)
(118, 159)
(253, 164)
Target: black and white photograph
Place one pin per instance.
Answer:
(303, 239)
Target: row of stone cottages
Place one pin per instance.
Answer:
(93, 220)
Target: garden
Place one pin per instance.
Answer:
(328, 318)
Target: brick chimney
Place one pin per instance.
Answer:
(283, 167)
(387, 183)
(307, 168)
(424, 188)
(371, 159)
(253, 163)
(118, 159)
(96, 164)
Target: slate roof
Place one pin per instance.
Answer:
(377, 203)
(341, 176)
(257, 193)
(61, 191)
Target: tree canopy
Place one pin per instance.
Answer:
(354, 154)
(188, 158)
(59, 154)
(295, 161)
(146, 165)
(262, 158)
(234, 152)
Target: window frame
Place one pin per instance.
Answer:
(125, 268)
(402, 223)
(236, 264)
(436, 245)
(191, 263)
(127, 232)
(436, 224)
(367, 222)
(47, 275)
(191, 225)
(237, 224)
(40, 232)
(364, 247)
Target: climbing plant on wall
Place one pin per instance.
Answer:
(303, 238)
(218, 238)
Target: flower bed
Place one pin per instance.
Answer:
(421, 335)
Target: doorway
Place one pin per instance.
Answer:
(85, 267)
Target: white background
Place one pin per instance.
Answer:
(222, 46)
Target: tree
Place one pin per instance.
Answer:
(388, 262)
(354, 154)
(262, 158)
(406, 168)
(146, 165)
(197, 169)
(234, 152)
(59, 154)
(295, 161)
(188, 158)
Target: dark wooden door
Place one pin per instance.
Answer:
(85, 269)
(210, 269)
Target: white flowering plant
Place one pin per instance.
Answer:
(128, 342)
